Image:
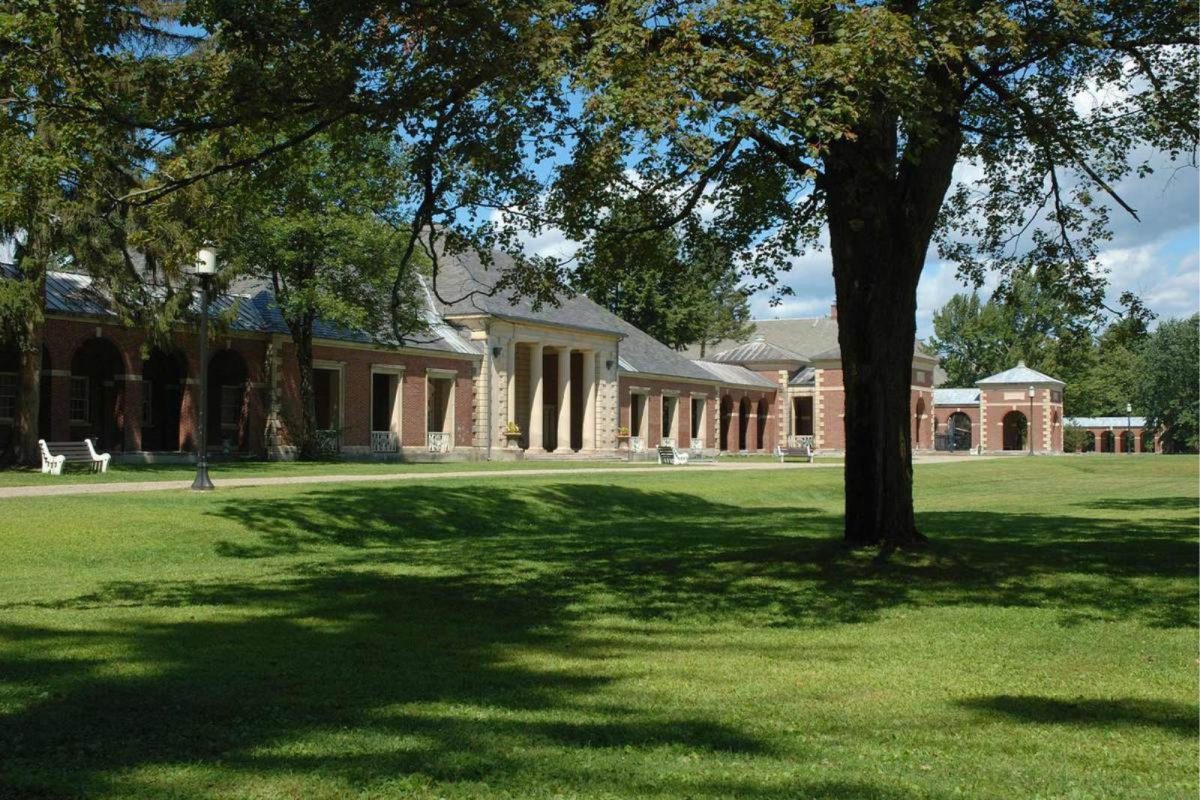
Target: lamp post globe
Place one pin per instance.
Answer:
(1029, 422)
(1128, 428)
(205, 268)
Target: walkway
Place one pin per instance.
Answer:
(230, 483)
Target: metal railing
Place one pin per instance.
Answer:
(637, 444)
(439, 441)
(329, 442)
(385, 442)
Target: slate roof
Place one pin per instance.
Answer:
(250, 306)
(955, 397)
(732, 373)
(466, 287)
(1019, 374)
(835, 352)
(463, 274)
(806, 376)
(758, 351)
(1105, 422)
(801, 336)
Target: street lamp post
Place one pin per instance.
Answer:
(1128, 428)
(206, 268)
(1029, 424)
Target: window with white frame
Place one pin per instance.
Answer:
(8, 395)
(79, 407)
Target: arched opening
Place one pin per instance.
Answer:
(761, 427)
(918, 422)
(726, 419)
(228, 402)
(1016, 431)
(1126, 441)
(1147, 442)
(163, 377)
(1089, 442)
(958, 431)
(97, 394)
(743, 422)
(1108, 442)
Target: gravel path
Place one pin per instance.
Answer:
(50, 490)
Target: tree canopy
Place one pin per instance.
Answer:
(1167, 392)
(678, 284)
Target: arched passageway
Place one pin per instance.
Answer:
(164, 376)
(1108, 442)
(743, 423)
(95, 409)
(760, 429)
(228, 402)
(958, 431)
(1016, 431)
(726, 420)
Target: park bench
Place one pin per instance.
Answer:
(785, 453)
(56, 454)
(670, 455)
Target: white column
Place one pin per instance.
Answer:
(564, 400)
(589, 400)
(536, 398)
(510, 371)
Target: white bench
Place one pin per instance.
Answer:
(670, 455)
(56, 454)
(794, 452)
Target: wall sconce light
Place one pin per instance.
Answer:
(496, 352)
(608, 365)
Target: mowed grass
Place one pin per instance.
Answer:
(683, 635)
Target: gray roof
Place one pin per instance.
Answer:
(805, 376)
(459, 276)
(732, 373)
(801, 337)
(1105, 422)
(835, 352)
(641, 352)
(467, 287)
(1019, 374)
(956, 397)
(249, 307)
(758, 351)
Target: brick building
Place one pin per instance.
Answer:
(490, 379)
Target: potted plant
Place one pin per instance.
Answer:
(512, 434)
(622, 437)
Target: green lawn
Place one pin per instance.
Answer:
(683, 635)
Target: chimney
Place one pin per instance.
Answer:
(833, 311)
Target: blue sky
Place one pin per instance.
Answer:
(1158, 258)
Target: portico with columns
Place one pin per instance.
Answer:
(557, 386)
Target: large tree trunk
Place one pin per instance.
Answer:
(29, 391)
(876, 330)
(881, 211)
(302, 335)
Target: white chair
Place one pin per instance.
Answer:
(50, 464)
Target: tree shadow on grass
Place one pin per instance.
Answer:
(662, 555)
(1144, 504)
(394, 612)
(422, 663)
(1176, 718)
